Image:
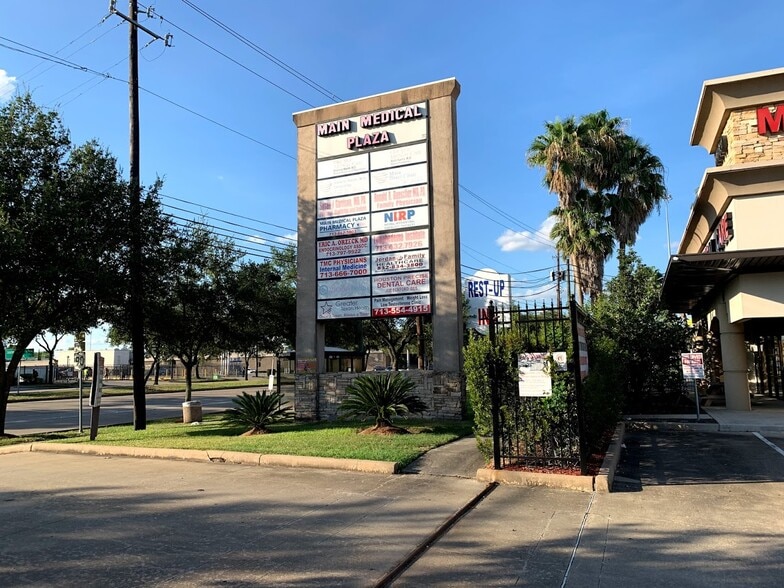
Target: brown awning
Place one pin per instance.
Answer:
(692, 278)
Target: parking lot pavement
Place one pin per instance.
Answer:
(70, 520)
(691, 509)
(695, 510)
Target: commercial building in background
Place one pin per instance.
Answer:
(729, 269)
(116, 360)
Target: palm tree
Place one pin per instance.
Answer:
(607, 184)
(559, 150)
(584, 236)
(259, 411)
(639, 188)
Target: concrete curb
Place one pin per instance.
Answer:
(20, 448)
(581, 483)
(666, 426)
(235, 457)
(604, 479)
(602, 482)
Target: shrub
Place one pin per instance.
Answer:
(256, 412)
(381, 398)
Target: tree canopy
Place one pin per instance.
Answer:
(637, 342)
(61, 232)
(607, 183)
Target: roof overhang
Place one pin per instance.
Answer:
(719, 186)
(692, 280)
(722, 95)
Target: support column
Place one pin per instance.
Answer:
(733, 360)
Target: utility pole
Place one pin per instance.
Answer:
(136, 265)
(558, 277)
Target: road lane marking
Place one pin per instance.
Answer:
(773, 446)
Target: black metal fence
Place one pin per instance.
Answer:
(536, 382)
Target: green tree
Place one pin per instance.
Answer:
(607, 184)
(392, 335)
(639, 340)
(560, 151)
(582, 233)
(61, 232)
(261, 313)
(50, 345)
(194, 311)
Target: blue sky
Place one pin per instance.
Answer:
(519, 64)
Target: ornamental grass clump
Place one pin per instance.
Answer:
(259, 411)
(381, 398)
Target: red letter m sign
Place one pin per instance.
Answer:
(770, 122)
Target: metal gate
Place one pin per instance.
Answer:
(547, 430)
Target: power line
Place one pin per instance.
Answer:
(243, 66)
(64, 47)
(507, 216)
(246, 236)
(100, 80)
(170, 197)
(264, 53)
(240, 247)
(60, 61)
(233, 224)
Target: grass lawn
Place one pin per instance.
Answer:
(326, 439)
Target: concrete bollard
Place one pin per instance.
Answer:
(191, 411)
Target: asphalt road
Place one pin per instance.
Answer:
(62, 415)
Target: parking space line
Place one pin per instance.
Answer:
(773, 446)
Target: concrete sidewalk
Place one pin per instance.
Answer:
(704, 511)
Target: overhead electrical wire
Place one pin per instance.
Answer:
(233, 224)
(243, 66)
(170, 197)
(264, 53)
(244, 246)
(60, 61)
(535, 235)
(64, 47)
(542, 237)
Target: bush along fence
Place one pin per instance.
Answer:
(525, 388)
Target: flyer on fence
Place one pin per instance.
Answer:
(534, 372)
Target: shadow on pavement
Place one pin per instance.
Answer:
(653, 458)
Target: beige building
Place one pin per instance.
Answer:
(729, 269)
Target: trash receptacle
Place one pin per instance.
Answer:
(191, 411)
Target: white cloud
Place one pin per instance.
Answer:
(258, 240)
(7, 86)
(290, 239)
(527, 240)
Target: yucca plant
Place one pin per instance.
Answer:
(256, 412)
(382, 398)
